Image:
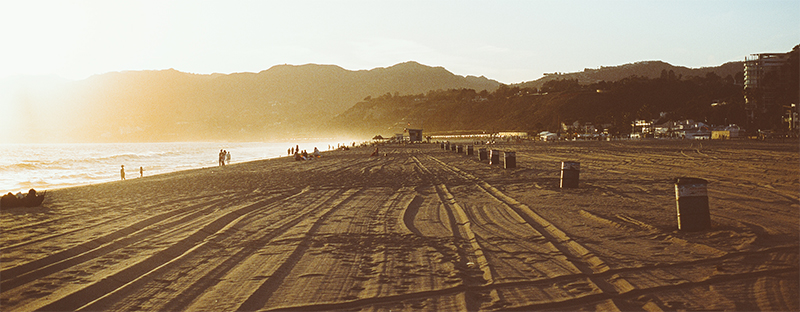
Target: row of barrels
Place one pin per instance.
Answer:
(570, 170)
(691, 194)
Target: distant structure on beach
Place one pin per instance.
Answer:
(415, 135)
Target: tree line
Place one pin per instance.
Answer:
(712, 99)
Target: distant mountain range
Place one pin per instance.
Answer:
(647, 69)
(285, 101)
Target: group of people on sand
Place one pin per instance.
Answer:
(224, 157)
(304, 155)
(28, 200)
(122, 172)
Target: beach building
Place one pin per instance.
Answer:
(548, 136)
(727, 132)
(720, 135)
(643, 127)
(687, 128)
(415, 135)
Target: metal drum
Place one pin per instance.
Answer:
(570, 174)
(494, 157)
(509, 159)
(691, 196)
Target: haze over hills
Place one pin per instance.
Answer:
(285, 101)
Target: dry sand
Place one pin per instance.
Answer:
(420, 229)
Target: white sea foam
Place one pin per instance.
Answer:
(50, 166)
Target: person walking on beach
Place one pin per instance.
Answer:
(221, 157)
(122, 172)
(141, 172)
(228, 157)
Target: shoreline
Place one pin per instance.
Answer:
(456, 140)
(50, 167)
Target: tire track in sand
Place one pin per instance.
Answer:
(21, 274)
(259, 298)
(76, 298)
(472, 259)
(586, 261)
(204, 261)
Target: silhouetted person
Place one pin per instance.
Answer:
(141, 172)
(228, 157)
(122, 172)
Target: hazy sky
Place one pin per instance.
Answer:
(509, 41)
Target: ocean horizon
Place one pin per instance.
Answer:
(52, 166)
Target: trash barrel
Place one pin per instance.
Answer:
(460, 149)
(470, 150)
(482, 154)
(441, 145)
(494, 157)
(570, 174)
(691, 195)
(447, 146)
(509, 159)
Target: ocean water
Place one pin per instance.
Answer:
(51, 166)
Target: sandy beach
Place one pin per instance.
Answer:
(421, 229)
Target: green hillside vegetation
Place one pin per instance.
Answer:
(513, 108)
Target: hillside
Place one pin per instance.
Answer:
(525, 109)
(288, 101)
(144, 106)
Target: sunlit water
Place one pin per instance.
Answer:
(50, 166)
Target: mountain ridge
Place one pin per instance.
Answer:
(169, 105)
(283, 101)
(648, 69)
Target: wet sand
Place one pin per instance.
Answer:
(421, 229)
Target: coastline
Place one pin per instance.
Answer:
(52, 166)
(420, 228)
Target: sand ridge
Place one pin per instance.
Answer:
(420, 229)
